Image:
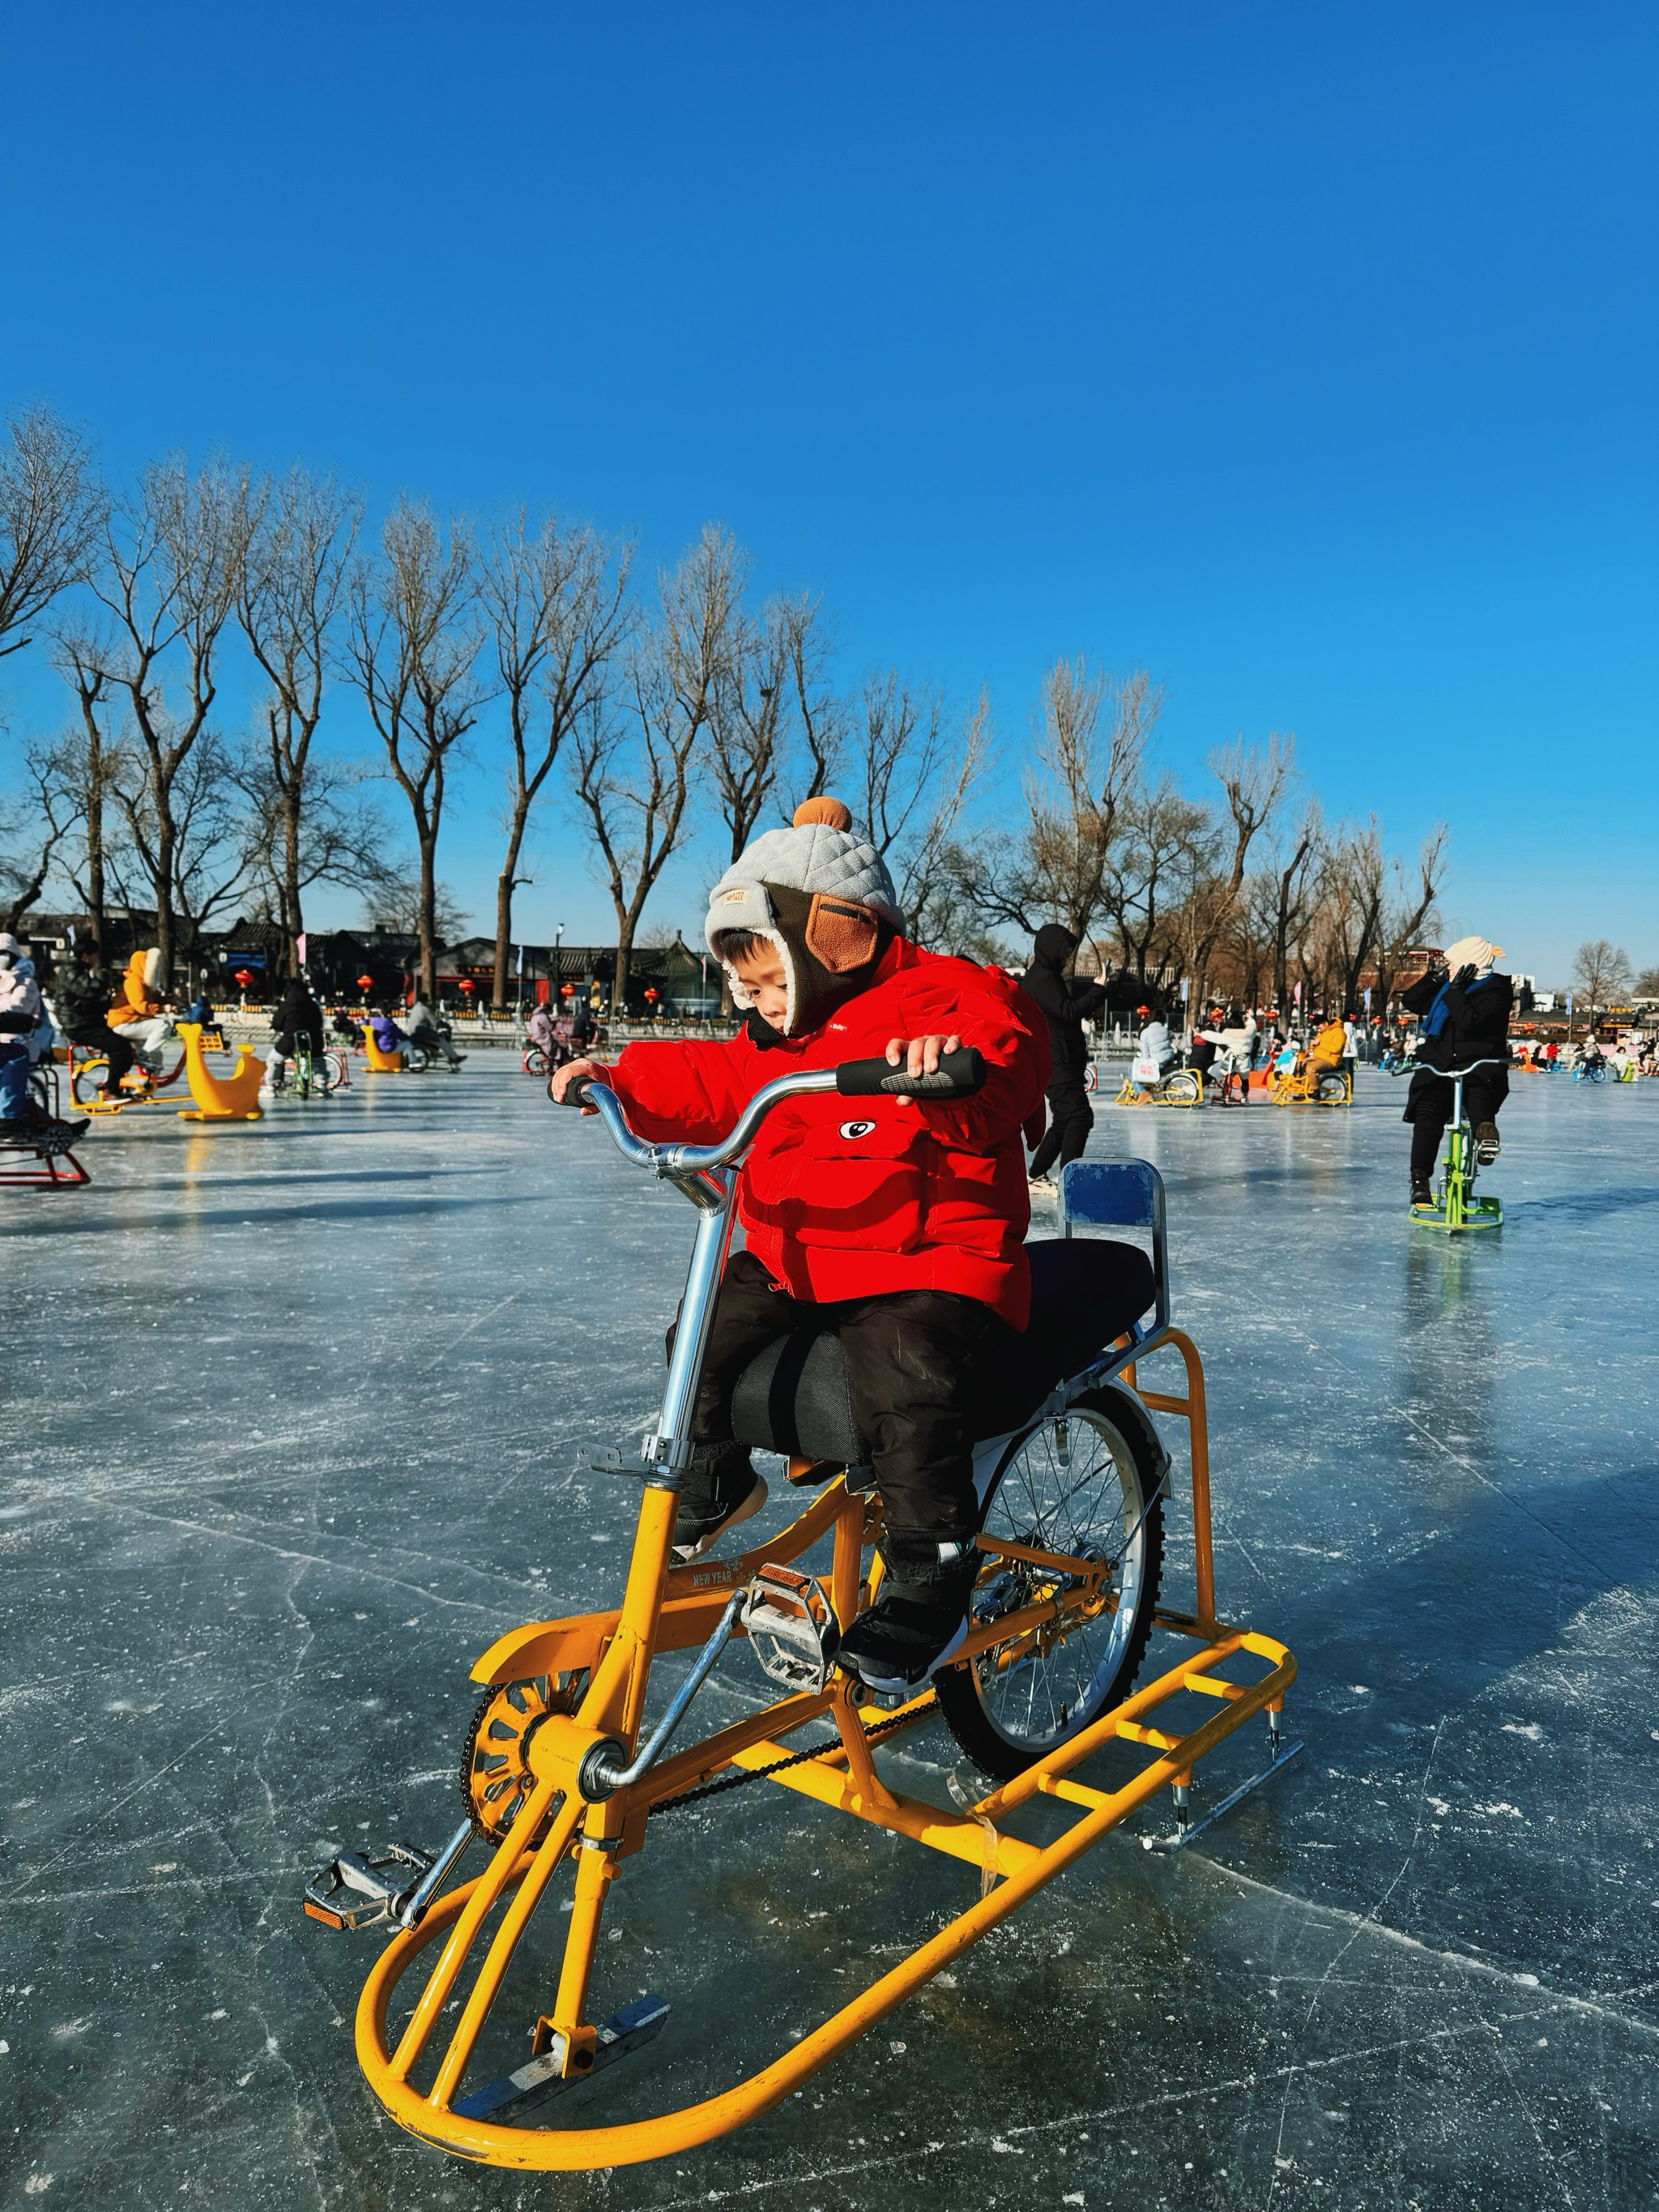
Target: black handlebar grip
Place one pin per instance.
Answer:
(575, 1094)
(959, 1075)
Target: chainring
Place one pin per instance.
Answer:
(495, 1776)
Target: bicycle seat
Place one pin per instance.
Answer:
(795, 1397)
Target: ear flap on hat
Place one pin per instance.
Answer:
(841, 936)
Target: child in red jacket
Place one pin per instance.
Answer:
(899, 1224)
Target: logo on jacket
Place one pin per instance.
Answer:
(851, 1130)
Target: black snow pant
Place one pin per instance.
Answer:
(99, 1037)
(1070, 1119)
(913, 1360)
(1429, 1105)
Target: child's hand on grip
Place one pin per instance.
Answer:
(920, 1055)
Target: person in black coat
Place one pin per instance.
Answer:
(297, 1015)
(1464, 1011)
(1066, 1002)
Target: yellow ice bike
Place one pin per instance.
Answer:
(1457, 1208)
(572, 1762)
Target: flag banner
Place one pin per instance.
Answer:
(299, 947)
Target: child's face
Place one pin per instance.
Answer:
(761, 972)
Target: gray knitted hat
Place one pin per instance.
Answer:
(823, 896)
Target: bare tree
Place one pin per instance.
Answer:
(1293, 878)
(750, 727)
(814, 704)
(214, 844)
(1407, 914)
(167, 575)
(1600, 974)
(412, 644)
(87, 765)
(914, 767)
(52, 510)
(343, 836)
(634, 759)
(556, 606)
(29, 849)
(1212, 903)
(1090, 745)
(394, 902)
(1168, 843)
(301, 535)
(1647, 984)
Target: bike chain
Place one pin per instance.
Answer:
(759, 1773)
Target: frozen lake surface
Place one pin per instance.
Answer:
(299, 1417)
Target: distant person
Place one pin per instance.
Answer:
(1154, 1045)
(1065, 1003)
(81, 992)
(388, 1037)
(298, 1017)
(1464, 1006)
(1329, 1050)
(1234, 1037)
(422, 1030)
(141, 1011)
(544, 1036)
(20, 1014)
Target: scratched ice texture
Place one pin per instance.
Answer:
(299, 1418)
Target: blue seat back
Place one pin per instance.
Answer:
(1119, 1194)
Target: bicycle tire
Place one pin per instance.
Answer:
(534, 1061)
(1185, 1086)
(91, 1074)
(1333, 1091)
(1039, 1500)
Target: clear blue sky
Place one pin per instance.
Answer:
(1305, 355)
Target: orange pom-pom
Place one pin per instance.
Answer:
(830, 811)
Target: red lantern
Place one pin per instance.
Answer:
(365, 982)
(567, 990)
(467, 984)
(244, 976)
(650, 995)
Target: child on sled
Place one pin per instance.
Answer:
(897, 1223)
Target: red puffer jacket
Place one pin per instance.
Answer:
(845, 1198)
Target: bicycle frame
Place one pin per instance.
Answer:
(597, 1782)
(1459, 1208)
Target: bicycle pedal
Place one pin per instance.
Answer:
(792, 1627)
(356, 1891)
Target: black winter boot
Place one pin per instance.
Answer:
(1421, 1193)
(1486, 1146)
(721, 1488)
(920, 1617)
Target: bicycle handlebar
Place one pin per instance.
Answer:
(959, 1074)
(1450, 1074)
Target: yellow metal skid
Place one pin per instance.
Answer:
(667, 1608)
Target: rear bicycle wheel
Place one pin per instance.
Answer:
(1085, 1486)
(535, 1061)
(1332, 1091)
(1184, 1088)
(86, 1084)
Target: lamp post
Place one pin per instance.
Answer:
(553, 980)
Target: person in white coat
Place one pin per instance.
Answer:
(1154, 1048)
(1235, 1044)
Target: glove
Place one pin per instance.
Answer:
(1465, 977)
